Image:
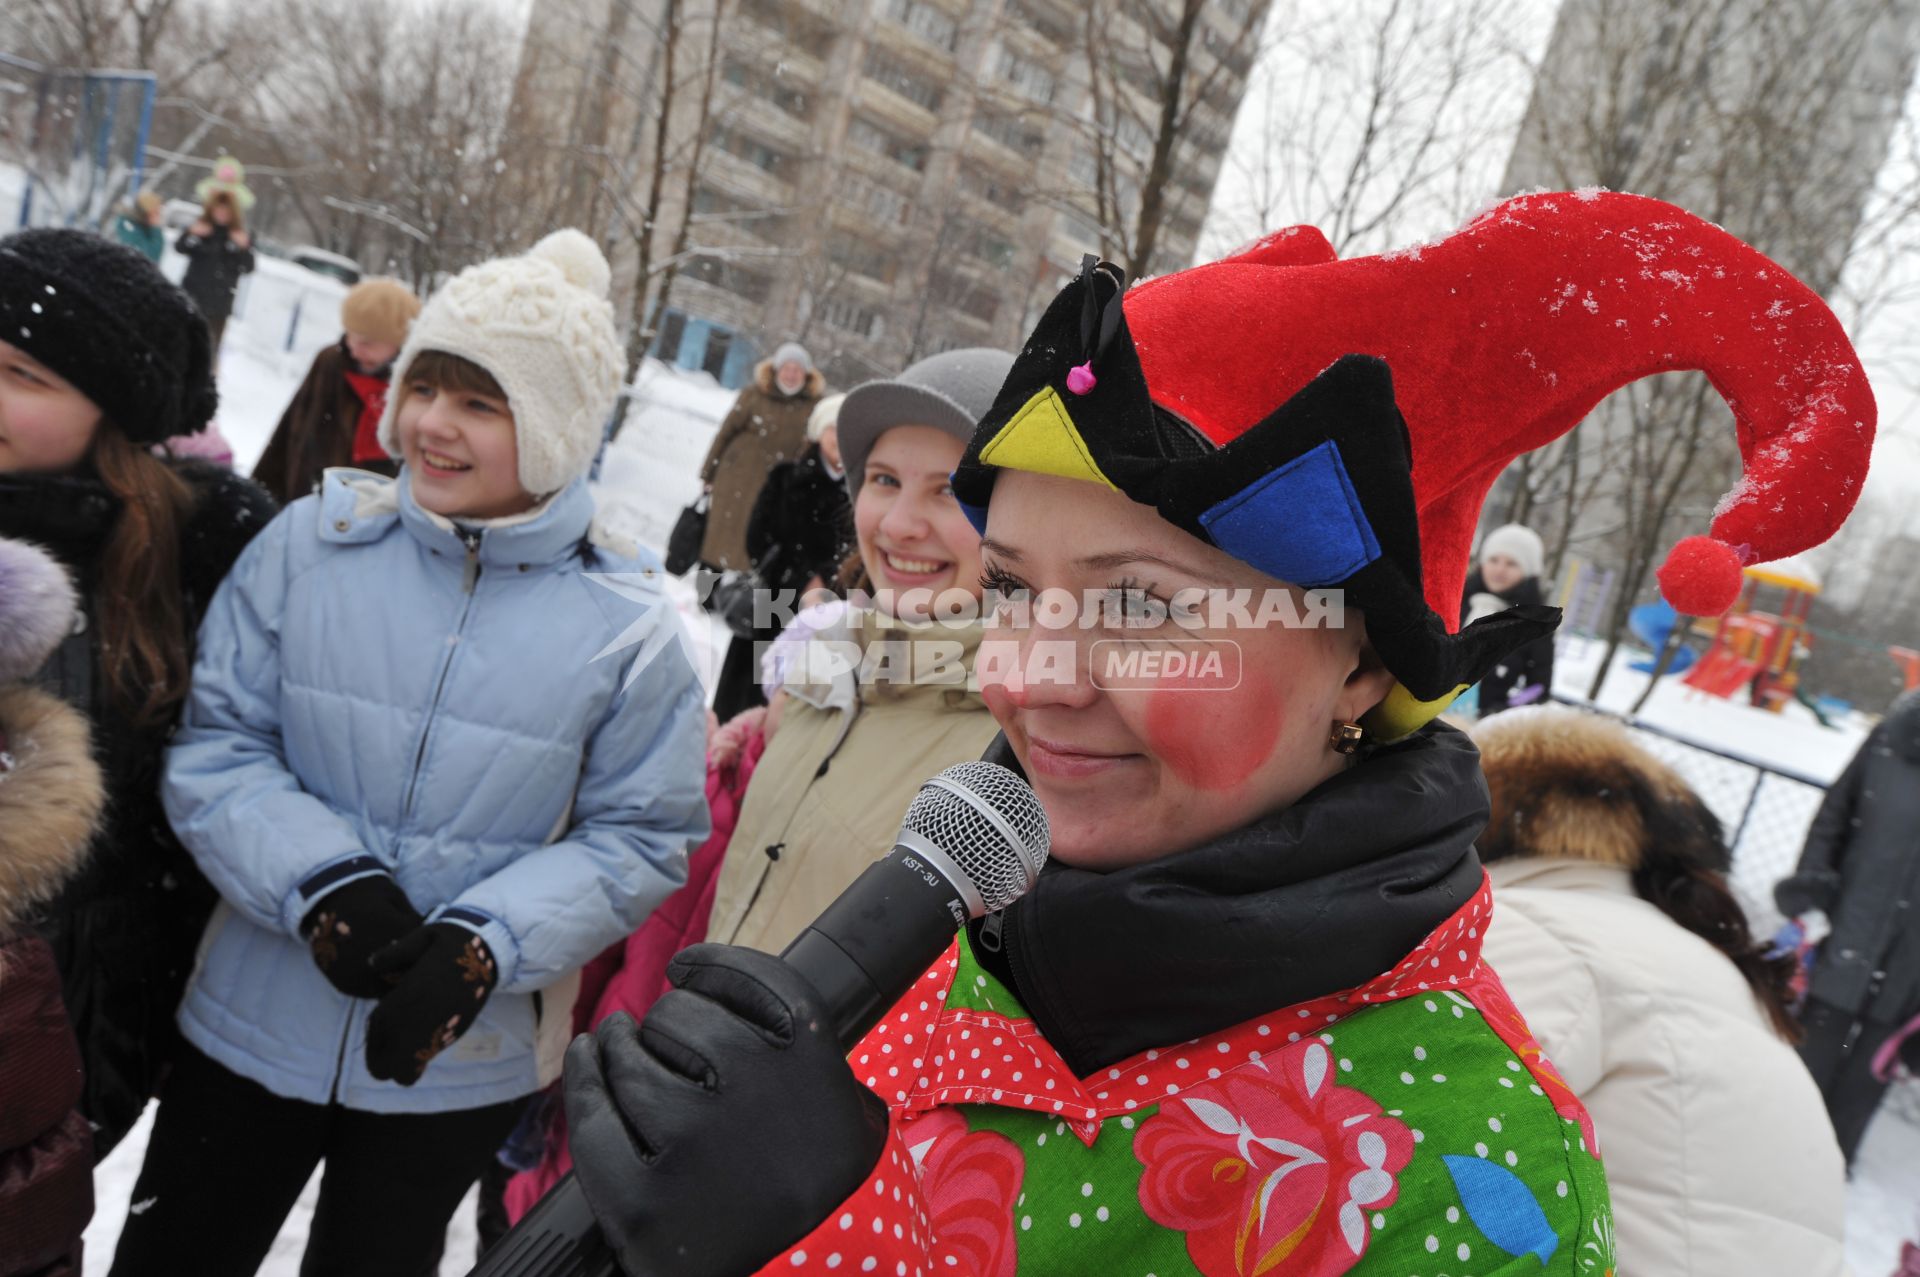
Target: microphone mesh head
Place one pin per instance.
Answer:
(1001, 852)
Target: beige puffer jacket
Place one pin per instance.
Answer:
(1718, 1149)
(829, 793)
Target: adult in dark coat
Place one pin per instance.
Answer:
(1861, 865)
(219, 251)
(1506, 575)
(799, 533)
(103, 335)
(801, 528)
(50, 796)
(767, 425)
(334, 418)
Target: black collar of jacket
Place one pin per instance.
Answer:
(69, 515)
(72, 515)
(1319, 898)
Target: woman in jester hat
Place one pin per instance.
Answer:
(1241, 1024)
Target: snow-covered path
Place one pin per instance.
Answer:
(651, 473)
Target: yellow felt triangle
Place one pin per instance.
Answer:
(1401, 715)
(1041, 438)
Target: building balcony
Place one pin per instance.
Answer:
(891, 35)
(738, 177)
(882, 169)
(990, 152)
(906, 117)
(748, 112)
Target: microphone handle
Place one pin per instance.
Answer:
(860, 956)
(557, 1238)
(867, 948)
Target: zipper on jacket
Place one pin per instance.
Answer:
(340, 1060)
(469, 580)
(990, 932)
(472, 574)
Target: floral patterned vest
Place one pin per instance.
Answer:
(1408, 1126)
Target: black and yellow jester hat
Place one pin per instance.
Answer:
(1256, 403)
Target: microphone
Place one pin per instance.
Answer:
(973, 842)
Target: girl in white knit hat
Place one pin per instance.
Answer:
(1506, 574)
(444, 745)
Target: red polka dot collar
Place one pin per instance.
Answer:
(952, 1042)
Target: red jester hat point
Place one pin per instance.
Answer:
(1337, 424)
(1504, 335)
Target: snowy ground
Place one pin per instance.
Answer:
(652, 471)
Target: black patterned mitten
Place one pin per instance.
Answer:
(445, 974)
(352, 923)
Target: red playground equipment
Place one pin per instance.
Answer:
(1909, 662)
(1761, 651)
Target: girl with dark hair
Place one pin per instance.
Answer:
(1619, 940)
(102, 359)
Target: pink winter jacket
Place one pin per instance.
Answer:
(630, 975)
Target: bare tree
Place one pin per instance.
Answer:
(1769, 118)
(396, 122)
(1155, 74)
(205, 57)
(1377, 121)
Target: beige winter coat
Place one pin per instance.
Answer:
(1718, 1150)
(763, 429)
(829, 793)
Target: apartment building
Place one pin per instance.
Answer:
(880, 179)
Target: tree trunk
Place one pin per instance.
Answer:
(637, 333)
(589, 124)
(1172, 121)
(684, 233)
(1667, 652)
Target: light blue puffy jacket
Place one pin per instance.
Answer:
(520, 746)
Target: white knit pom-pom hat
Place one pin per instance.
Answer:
(543, 327)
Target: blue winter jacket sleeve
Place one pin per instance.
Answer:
(252, 829)
(641, 804)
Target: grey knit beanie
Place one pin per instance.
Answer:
(949, 391)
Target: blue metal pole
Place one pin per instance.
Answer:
(140, 143)
(39, 132)
(102, 144)
(293, 329)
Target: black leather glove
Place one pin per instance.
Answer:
(445, 974)
(1804, 892)
(349, 925)
(726, 1127)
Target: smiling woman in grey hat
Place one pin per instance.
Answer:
(881, 696)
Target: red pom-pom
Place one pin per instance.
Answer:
(1701, 576)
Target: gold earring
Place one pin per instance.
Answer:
(1347, 738)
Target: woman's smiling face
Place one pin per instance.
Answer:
(914, 538)
(1144, 736)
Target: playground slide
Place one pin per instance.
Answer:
(1651, 623)
(1722, 673)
